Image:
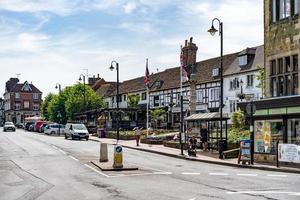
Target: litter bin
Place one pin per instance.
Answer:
(222, 146)
(101, 133)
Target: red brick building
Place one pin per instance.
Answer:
(21, 100)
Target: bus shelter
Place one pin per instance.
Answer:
(194, 123)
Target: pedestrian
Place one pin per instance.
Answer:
(204, 137)
(137, 133)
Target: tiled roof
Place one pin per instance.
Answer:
(234, 67)
(18, 88)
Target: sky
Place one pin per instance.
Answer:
(48, 42)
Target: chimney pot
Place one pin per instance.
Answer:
(186, 42)
(191, 39)
(98, 76)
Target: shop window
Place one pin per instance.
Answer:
(273, 67)
(287, 64)
(293, 136)
(295, 63)
(295, 84)
(274, 87)
(280, 66)
(280, 86)
(266, 135)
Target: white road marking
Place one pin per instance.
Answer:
(62, 151)
(96, 171)
(246, 174)
(142, 174)
(190, 173)
(265, 192)
(73, 158)
(218, 174)
(163, 173)
(277, 175)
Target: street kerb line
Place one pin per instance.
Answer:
(218, 174)
(265, 192)
(246, 174)
(190, 173)
(74, 158)
(97, 171)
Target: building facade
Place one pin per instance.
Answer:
(277, 117)
(21, 100)
(1, 111)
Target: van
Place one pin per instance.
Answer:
(76, 130)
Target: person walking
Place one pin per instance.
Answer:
(137, 133)
(204, 137)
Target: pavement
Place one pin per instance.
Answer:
(206, 157)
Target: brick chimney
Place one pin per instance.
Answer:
(189, 52)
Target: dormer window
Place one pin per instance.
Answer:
(215, 72)
(243, 60)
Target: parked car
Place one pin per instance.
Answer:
(27, 125)
(52, 129)
(20, 125)
(75, 130)
(42, 127)
(9, 126)
(31, 127)
(37, 125)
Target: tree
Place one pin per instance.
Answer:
(45, 105)
(57, 105)
(157, 114)
(74, 103)
(133, 100)
(261, 77)
(238, 130)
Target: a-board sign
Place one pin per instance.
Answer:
(245, 151)
(289, 153)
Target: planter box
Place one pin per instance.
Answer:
(234, 154)
(174, 144)
(152, 141)
(122, 137)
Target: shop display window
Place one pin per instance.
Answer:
(294, 131)
(266, 135)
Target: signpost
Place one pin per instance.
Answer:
(251, 108)
(289, 153)
(118, 157)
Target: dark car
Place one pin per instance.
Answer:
(31, 127)
(27, 125)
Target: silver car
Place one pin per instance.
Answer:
(9, 126)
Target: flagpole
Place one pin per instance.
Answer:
(147, 86)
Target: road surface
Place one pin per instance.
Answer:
(37, 166)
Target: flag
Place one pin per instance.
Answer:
(147, 78)
(184, 74)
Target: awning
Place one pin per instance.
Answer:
(213, 116)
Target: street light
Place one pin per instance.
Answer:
(58, 86)
(80, 79)
(212, 31)
(118, 114)
(59, 121)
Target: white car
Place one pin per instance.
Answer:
(9, 126)
(52, 129)
(75, 130)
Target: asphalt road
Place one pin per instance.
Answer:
(36, 166)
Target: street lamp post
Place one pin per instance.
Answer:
(212, 31)
(58, 86)
(242, 94)
(118, 113)
(80, 79)
(59, 121)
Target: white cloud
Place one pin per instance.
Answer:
(138, 27)
(129, 7)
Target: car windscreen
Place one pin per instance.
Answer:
(78, 127)
(9, 123)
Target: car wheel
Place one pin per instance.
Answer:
(66, 137)
(73, 138)
(87, 138)
(52, 132)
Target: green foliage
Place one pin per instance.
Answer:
(45, 105)
(71, 101)
(133, 100)
(261, 77)
(238, 130)
(157, 114)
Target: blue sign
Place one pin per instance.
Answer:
(245, 150)
(118, 148)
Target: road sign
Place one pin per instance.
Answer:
(118, 157)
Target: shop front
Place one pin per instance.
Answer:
(275, 121)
